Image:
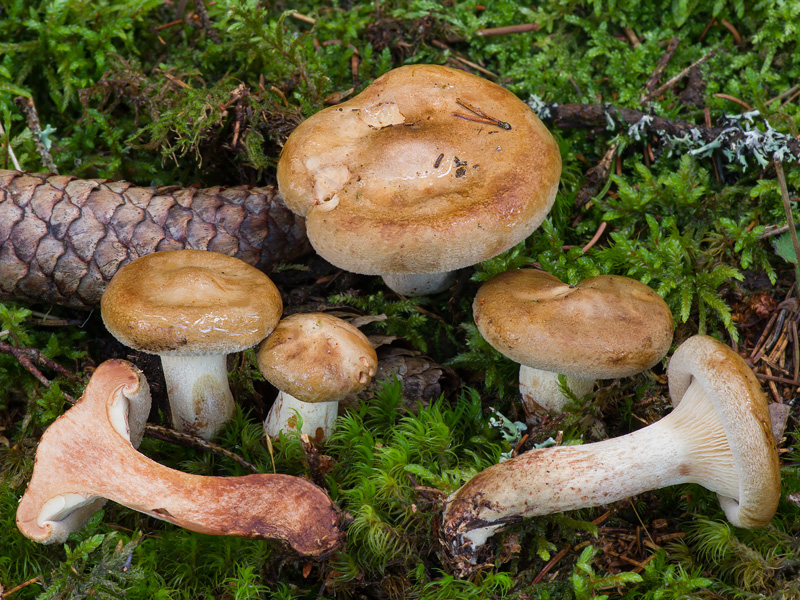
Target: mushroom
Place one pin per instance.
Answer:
(192, 307)
(604, 327)
(87, 455)
(315, 360)
(428, 170)
(718, 436)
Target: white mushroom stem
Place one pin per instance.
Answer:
(539, 390)
(84, 455)
(419, 284)
(318, 417)
(687, 446)
(200, 398)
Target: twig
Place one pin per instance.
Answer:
(23, 357)
(789, 220)
(679, 76)
(522, 28)
(786, 380)
(29, 108)
(632, 37)
(551, 563)
(303, 18)
(479, 116)
(661, 66)
(791, 98)
(596, 177)
(170, 435)
(596, 236)
(477, 67)
(736, 35)
(783, 95)
(9, 151)
(20, 586)
(735, 100)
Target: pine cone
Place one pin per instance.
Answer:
(62, 238)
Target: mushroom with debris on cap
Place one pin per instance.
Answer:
(192, 307)
(315, 360)
(428, 170)
(718, 436)
(87, 455)
(604, 327)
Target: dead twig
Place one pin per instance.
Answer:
(22, 585)
(551, 563)
(522, 28)
(657, 92)
(184, 439)
(27, 106)
(789, 220)
(735, 100)
(596, 177)
(661, 66)
(9, 151)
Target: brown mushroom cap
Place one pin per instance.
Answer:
(395, 181)
(603, 327)
(742, 409)
(317, 358)
(190, 302)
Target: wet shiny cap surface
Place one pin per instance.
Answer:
(603, 327)
(429, 169)
(189, 302)
(316, 357)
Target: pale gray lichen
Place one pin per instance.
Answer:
(739, 141)
(510, 430)
(540, 107)
(638, 129)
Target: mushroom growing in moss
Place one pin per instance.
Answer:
(428, 170)
(718, 436)
(602, 328)
(192, 308)
(315, 360)
(87, 455)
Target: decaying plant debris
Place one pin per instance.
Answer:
(669, 117)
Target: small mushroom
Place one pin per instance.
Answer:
(315, 360)
(718, 436)
(428, 170)
(87, 455)
(602, 328)
(192, 307)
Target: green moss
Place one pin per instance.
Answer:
(130, 90)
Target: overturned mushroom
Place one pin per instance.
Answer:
(193, 308)
(602, 328)
(428, 170)
(315, 360)
(718, 436)
(87, 455)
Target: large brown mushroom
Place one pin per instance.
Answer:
(87, 455)
(604, 327)
(718, 436)
(428, 170)
(315, 360)
(192, 308)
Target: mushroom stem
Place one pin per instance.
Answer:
(103, 463)
(539, 390)
(318, 417)
(419, 284)
(200, 398)
(683, 447)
